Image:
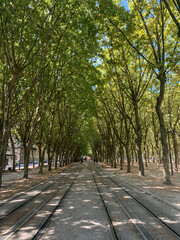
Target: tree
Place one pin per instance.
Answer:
(151, 40)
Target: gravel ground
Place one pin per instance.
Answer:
(152, 181)
(13, 182)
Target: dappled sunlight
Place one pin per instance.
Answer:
(52, 204)
(24, 234)
(71, 207)
(127, 197)
(43, 214)
(169, 221)
(66, 220)
(27, 228)
(116, 189)
(135, 221)
(120, 223)
(92, 224)
(32, 192)
(81, 212)
(177, 215)
(110, 195)
(17, 200)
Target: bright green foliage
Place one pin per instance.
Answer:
(73, 72)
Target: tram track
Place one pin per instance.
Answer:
(111, 184)
(26, 197)
(111, 228)
(177, 208)
(17, 195)
(47, 204)
(125, 215)
(143, 204)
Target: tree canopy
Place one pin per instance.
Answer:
(91, 77)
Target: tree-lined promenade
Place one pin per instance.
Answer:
(79, 77)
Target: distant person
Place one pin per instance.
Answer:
(81, 159)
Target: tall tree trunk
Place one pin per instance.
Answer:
(152, 153)
(5, 135)
(49, 160)
(32, 152)
(41, 158)
(132, 154)
(136, 157)
(114, 160)
(148, 154)
(156, 138)
(139, 140)
(27, 148)
(128, 157)
(145, 155)
(121, 157)
(175, 146)
(166, 174)
(56, 159)
(13, 150)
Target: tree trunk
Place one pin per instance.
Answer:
(158, 152)
(152, 153)
(139, 140)
(145, 155)
(165, 160)
(114, 160)
(41, 158)
(175, 146)
(128, 158)
(148, 154)
(121, 157)
(132, 155)
(56, 159)
(5, 135)
(156, 139)
(3, 154)
(136, 157)
(49, 160)
(13, 150)
(27, 148)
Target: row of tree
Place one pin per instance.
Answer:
(139, 92)
(46, 76)
(79, 75)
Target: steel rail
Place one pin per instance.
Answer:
(56, 178)
(30, 214)
(138, 225)
(31, 188)
(48, 220)
(111, 227)
(177, 235)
